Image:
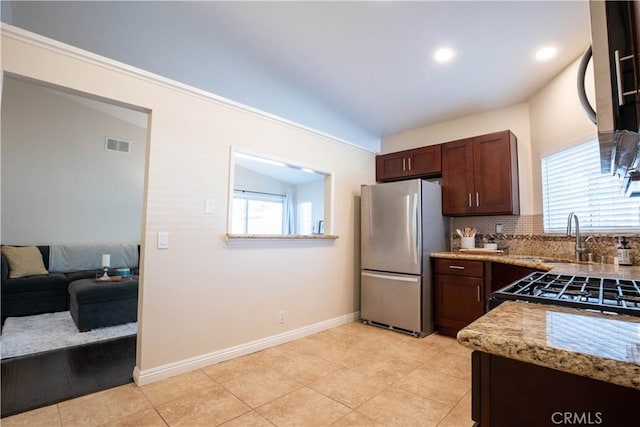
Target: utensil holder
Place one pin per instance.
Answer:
(467, 242)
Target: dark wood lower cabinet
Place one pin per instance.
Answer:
(507, 392)
(463, 288)
(458, 302)
(459, 294)
(505, 274)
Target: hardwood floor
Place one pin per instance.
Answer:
(34, 381)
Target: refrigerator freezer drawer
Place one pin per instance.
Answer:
(393, 300)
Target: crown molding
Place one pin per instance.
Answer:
(24, 36)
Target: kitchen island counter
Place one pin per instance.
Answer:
(598, 346)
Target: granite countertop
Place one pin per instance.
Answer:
(599, 346)
(549, 264)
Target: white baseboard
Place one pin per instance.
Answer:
(152, 375)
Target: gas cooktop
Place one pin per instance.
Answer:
(620, 296)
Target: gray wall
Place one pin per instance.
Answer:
(59, 185)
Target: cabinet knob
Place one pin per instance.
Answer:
(404, 165)
(478, 293)
(477, 199)
(409, 163)
(456, 267)
(469, 199)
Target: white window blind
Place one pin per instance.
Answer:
(572, 182)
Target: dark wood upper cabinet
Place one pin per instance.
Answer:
(457, 177)
(415, 163)
(480, 176)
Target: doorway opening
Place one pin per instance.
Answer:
(73, 172)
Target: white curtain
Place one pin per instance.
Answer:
(289, 215)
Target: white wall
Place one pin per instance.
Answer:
(203, 295)
(515, 117)
(59, 185)
(558, 120)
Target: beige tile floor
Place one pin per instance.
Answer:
(352, 375)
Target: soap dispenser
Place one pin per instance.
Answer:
(625, 257)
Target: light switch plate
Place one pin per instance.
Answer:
(209, 206)
(163, 240)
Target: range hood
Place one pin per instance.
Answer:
(614, 68)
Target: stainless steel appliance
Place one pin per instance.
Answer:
(621, 296)
(401, 222)
(613, 44)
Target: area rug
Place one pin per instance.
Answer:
(50, 331)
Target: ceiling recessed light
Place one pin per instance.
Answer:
(444, 54)
(546, 53)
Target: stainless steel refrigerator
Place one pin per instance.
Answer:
(401, 222)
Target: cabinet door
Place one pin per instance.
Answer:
(425, 161)
(391, 166)
(634, 12)
(458, 302)
(505, 274)
(457, 178)
(495, 174)
(419, 162)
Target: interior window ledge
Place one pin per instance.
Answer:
(296, 237)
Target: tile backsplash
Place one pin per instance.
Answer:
(523, 235)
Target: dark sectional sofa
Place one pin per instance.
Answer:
(38, 294)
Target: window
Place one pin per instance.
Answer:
(305, 219)
(258, 213)
(572, 182)
(287, 187)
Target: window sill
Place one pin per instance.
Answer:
(245, 237)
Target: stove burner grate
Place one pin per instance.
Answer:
(603, 294)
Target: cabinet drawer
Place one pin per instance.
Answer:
(459, 267)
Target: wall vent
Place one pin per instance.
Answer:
(114, 144)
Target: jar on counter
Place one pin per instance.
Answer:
(625, 256)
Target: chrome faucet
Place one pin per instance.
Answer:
(580, 248)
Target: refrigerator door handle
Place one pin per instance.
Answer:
(389, 277)
(367, 195)
(408, 222)
(412, 226)
(414, 234)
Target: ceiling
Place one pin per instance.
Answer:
(374, 61)
(277, 170)
(357, 70)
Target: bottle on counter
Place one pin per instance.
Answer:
(625, 257)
